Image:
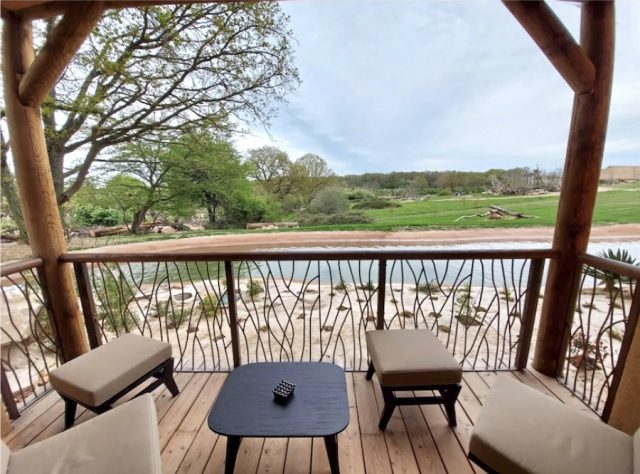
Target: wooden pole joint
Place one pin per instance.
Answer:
(65, 40)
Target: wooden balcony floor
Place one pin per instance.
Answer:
(417, 440)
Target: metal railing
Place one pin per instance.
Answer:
(29, 348)
(605, 316)
(314, 305)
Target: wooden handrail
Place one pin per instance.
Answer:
(614, 266)
(324, 254)
(20, 266)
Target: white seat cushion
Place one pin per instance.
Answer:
(406, 357)
(95, 377)
(520, 430)
(123, 440)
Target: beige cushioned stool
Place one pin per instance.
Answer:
(125, 440)
(413, 359)
(99, 377)
(521, 430)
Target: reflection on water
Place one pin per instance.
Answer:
(442, 271)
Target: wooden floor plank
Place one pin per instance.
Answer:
(30, 414)
(349, 444)
(298, 456)
(274, 453)
(179, 408)
(417, 439)
(176, 449)
(561, 392)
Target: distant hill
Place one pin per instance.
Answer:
(620, 173)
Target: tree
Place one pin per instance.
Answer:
(271, 169)
(165, 71)
(309, 174)
(209, 172)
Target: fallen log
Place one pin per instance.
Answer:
(268, 225)
(496, 212)
(105, 231)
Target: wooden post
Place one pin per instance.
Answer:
(536, 269)
(5, 422)
(382, 283)
(37, 194)
(579, 188)
(85, 291)
(233, 312)
(622, 409)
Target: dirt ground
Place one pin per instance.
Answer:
(262, 240)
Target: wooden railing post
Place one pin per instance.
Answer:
(536, 269)
(233, 312)
(382, 283)
(88, 305)
(621, 408)
(7, 396)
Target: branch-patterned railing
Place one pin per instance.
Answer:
(605, 317)
(314, 305)
(29, 348)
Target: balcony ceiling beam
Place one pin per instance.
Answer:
(65, 40)
(555, 41)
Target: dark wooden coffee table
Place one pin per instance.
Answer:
(245, 407)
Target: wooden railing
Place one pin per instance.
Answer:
(314, 304)
(28, 338)
(605, 317)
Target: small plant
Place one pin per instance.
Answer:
(615, 334)
(360, 300)
(429, 287)
(589, 306)
(587, 354)
(342, 308)
(114, 295)
(342, 286)
(369, 286)
(610, 280)
(434, 315)
(444, 328)
(254, 288)
(209, 306)
(406, 314)
(506, 294)
(467, 320)
(173, 317)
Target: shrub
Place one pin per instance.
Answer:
(334, 219)
(359, 194)
(254, 288)
(329, 201)
(444, 192)
(173, 317)
(209, 306)
(92, 216)
(375, 204)
(115, 295)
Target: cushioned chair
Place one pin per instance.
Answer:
(521, 430)
(125, 440)
(413, 359)
(98, 378)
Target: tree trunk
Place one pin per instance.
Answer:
(138, 219)
(10, 193)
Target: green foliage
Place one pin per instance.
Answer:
(375, 204)
(94, 216)
(173, 316)
(342, 286)
(368, 286)
(114, 295)
(334, 219)
(254, 288)
(359, 194)
(429, 287)
(329, 201)
(611, 279)
(209, 305)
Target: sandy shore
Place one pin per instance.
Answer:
(261, 240)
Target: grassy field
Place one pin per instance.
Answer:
(620, 206)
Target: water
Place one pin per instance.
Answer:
(473, 272)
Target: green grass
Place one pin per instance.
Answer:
(612, 207)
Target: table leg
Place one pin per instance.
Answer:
(331, 443)
(233, 445)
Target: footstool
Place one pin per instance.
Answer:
(413, 359)
(98, 378)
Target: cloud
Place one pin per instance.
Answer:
(408, 85)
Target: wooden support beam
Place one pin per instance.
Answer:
(65, 40)
(35, 184)
(579, 189)
(555, 41)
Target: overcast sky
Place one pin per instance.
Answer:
(437, 85)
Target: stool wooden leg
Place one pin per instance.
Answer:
(167, 378)
(69, 412)
(451, 396)
(370, 371)
(389, 406)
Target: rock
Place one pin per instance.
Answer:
(167, 230)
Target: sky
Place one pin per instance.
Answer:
(440, 85)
